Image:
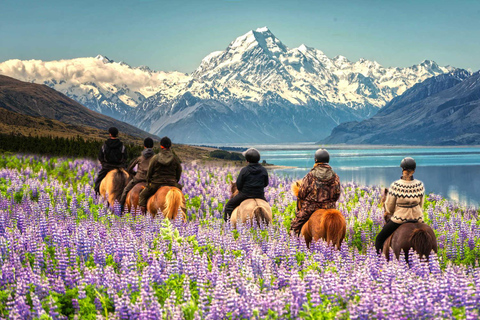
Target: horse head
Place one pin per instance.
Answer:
(386, 216)
(233, 189)
(295, 187)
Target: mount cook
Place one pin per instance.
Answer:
(257, 90)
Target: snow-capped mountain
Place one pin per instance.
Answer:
(257, 88)
(442, 110)
(258, 62)
(111, 88)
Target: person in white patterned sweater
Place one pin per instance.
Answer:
(404, 202)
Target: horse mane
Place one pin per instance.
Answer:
(421, 242)
(119, 182)
(295, 187)
(233, 189)
(383, 199)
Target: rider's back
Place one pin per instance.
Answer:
(141, 163)
(112, 153)
(164, 168)
(252, 180)
(405, 200)
(320, 185)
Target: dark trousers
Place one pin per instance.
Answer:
(127, 189)
(236, 201)
(386, 232)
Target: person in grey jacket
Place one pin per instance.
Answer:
(141, 165)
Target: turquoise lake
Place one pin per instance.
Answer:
(453, 172)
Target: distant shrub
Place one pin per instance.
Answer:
(222, 154)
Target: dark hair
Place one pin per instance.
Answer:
(166, 142)
(113, 131)
(148, 142)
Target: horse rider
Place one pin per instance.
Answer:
(251, 182)
(112, 155)
(404, 202)
(138, 168)
(164, 170)
(320, 189)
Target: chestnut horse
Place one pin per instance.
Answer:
(416, 235)
(168, 200)
(250, 209)
(131, 202)
(113, 185)
(326, 224)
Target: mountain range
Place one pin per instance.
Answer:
(443, 110)
(256, 90)
(34, 109)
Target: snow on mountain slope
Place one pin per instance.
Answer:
(98, 83)
(258, 62)
(256, 74)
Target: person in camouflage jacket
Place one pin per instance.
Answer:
(320, 189)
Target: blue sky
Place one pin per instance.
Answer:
(176, 35)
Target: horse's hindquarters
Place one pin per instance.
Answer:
(113, 185)
(327, 224)
(167, 200)
(252, 209)
(131, 202)
(418, 236)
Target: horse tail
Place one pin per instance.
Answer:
(173, 200)
(334, 225)
(118, 184)
(421, 242)
(261, 215)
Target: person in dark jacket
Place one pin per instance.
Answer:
(138, 168)
(112, 155)
(320, 189)
(251, 182)
(164, 170)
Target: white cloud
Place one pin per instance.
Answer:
(83, 70)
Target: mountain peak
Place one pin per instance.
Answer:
(302, 48)
(261, 37)
(103, 58)
(263, 30)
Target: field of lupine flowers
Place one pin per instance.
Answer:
(63, 254)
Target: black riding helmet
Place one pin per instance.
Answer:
(322, 155)
(252, 155)
(408, 164)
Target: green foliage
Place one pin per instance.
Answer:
(77, 147)
(222, 154)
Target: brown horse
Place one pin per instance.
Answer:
(326, 224)
(416, 235)
(168, 200)
(113, 185)
(250, 209)
(131, 202)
